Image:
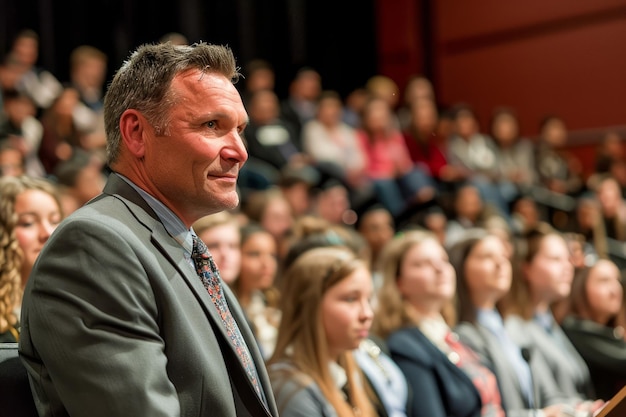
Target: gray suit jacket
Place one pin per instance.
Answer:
(567, 366)
(115, 322)
(487, 346)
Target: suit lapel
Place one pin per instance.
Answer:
(171, 250)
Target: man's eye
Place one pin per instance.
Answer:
(211, 124)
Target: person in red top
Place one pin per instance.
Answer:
(421, 138)
(399, 183)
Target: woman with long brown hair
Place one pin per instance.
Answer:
(326, 313)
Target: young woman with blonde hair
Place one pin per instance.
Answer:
(326, 314)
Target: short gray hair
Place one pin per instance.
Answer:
(143, 83)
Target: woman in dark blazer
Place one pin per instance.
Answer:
(446, 378)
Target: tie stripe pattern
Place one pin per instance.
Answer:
(208, 273)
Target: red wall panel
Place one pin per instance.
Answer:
(579, 74)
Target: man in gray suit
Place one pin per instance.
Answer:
(116, 320)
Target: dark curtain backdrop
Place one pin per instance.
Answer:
(338, 38)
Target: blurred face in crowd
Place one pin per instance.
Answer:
(329, 111)
(258, 262)
(505, 129)
(38, 215)
(488, 271)
(426, 278)
(424, 114)
(264, 107)
(610, 197)
(223, 241)
(333, 203)
(377, 228)
(554, 132)
(277, 217)
(469, 203)
(11, 162)
(307, 85)
(604, 291)
(377, 116)
(550, 272)
(466, 124)
(347, 312)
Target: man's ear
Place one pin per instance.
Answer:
(133, 128)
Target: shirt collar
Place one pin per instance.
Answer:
(172, 223)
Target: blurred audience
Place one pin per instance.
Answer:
(484, 277)
(399, 184)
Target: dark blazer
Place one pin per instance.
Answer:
(603, 349)
(438, 387)
(115, 322)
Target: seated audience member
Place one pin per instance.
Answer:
(386, 89)
(296, 184)
(254, 286)
(377, 227)
(544, 277)
(472, 154)
(469, 211)
(399, 184)
(417, 88)
(434, 220)
(612, 208)
(595, 325)
(22, 130)
(484, 276)
(354, 103)
(80, 179)
(62, 131)
(414, 314)
(31, 79)
(525, 214)
(326, 314)
(88, 70)
(334, 147)
(515, 163)
(29, 212)
(271, 210)
(610, 158)
(331, 202)
(421, 139)
(382, 374)
(273, 142)
(300, 104)
(12, 162)
(559, 173)
(259, 75)
(220, 233)
(588, 223)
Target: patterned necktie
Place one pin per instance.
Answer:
(210, 279)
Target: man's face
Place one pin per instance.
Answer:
(193, 167)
